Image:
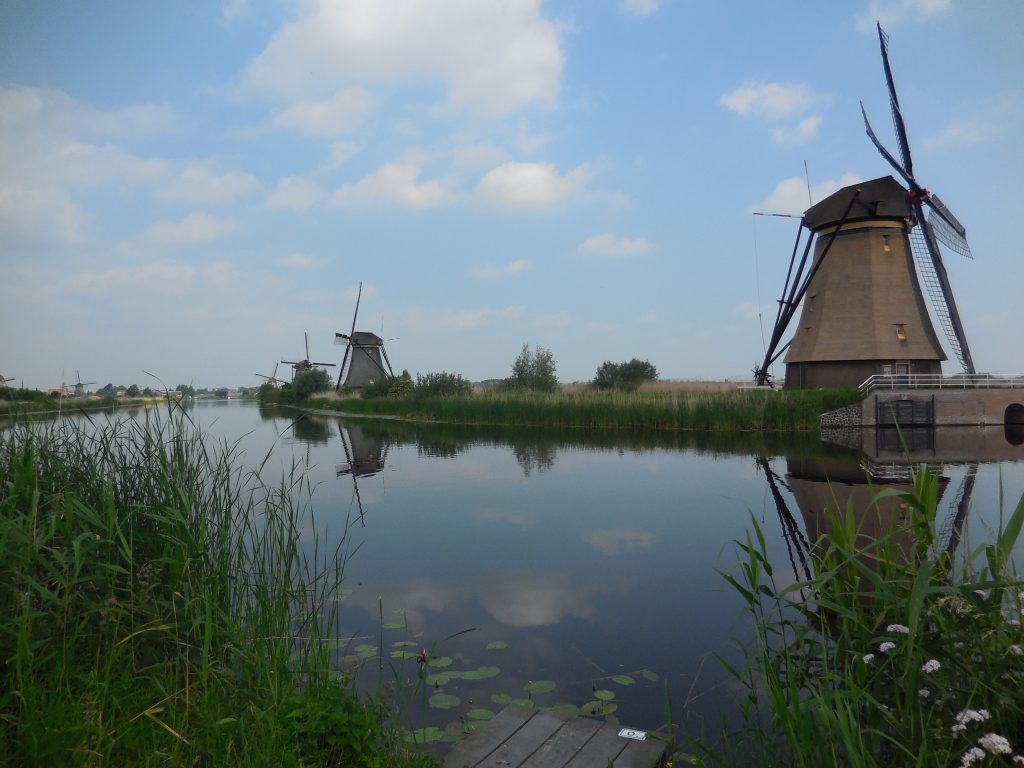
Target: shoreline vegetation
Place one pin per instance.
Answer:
(734, 410)
(15, 402)
(161, 604)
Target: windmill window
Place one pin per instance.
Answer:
(901, 331)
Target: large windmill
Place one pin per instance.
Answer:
(864, 312)
(5, 379)
(364, 354)
(298, 366)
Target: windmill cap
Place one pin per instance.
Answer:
(366, 339)
(883, 198)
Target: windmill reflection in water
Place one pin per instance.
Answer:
(365, 454)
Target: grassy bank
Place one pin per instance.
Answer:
(888, 655)
(739, 410)
(19, 402)
(158, 607)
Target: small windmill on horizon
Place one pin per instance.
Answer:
(298, 366)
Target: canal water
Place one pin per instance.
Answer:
(581, 569)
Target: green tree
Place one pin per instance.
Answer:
(133, 391)
(625, 376)
(309, 382)
(533, 370)
(186, 390)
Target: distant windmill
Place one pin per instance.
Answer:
(81, 385)
(5, 379)
(272, 379)
(364, 354)
(298, 366)
(864, 312)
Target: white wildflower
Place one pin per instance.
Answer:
(923, 693)
(970, 716)
(995, 744)
(1013, 622)
(886, 646)
(1018, 759)
(971, 756)
(982, 593)
(1016, 650)
(867, 658)
(932, 665)
(898, 629)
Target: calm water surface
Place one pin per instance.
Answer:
(577, 557)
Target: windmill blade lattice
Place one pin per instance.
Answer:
(933, 287)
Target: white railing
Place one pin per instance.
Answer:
(937, 381)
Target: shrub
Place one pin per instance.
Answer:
(533, 371)
(442, 384)
(625, 376)
(308, 382)
(396, 386)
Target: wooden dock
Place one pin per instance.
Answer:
(527, 738)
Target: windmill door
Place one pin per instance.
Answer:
(902, 373)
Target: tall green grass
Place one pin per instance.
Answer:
(709, 411)
(158, 605)
(888, 655)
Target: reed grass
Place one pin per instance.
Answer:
(738, 410)
(158, 606)
(887, 655)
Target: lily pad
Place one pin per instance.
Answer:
(569, 710)
(623, 680)
(537, 687)
(480, 673)
(395, 621)
(501, 699)
(442, 678)
(440, 661)
(649, 676)
(497, 645)
(444, 701)
(406, 655)
(480, 714)
(404, 644)
(365, 651)
(598, 708)
(524, 703)
(604, 695)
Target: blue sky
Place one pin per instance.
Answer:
(186, 188)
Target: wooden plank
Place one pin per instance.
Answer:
(642, 754)
(488, 737)
(518, 747)
(564, 744)
(603, 748)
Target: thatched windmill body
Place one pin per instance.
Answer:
(81, 385)
(365, 356)
(5, 379)
(863, 307)
(272, 379)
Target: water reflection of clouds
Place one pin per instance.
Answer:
(503, 517)
(512, 599)
(615, 540)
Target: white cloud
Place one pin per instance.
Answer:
(963, 134)
(803, 132)
(489, 271)
(774, 101)
(197, 227)
(40, 212)
(397, 183)
(369, 290)
(531, 186)
(642, 8)
(496, 56)
(476, 318)
(199, 184)
(235, 10)
(298, 261)
(344, 112)
(609, 245)
(790, 195)
(478, 155)
(295, 193)
(891, 13)
(55, 111)
(161, 276)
